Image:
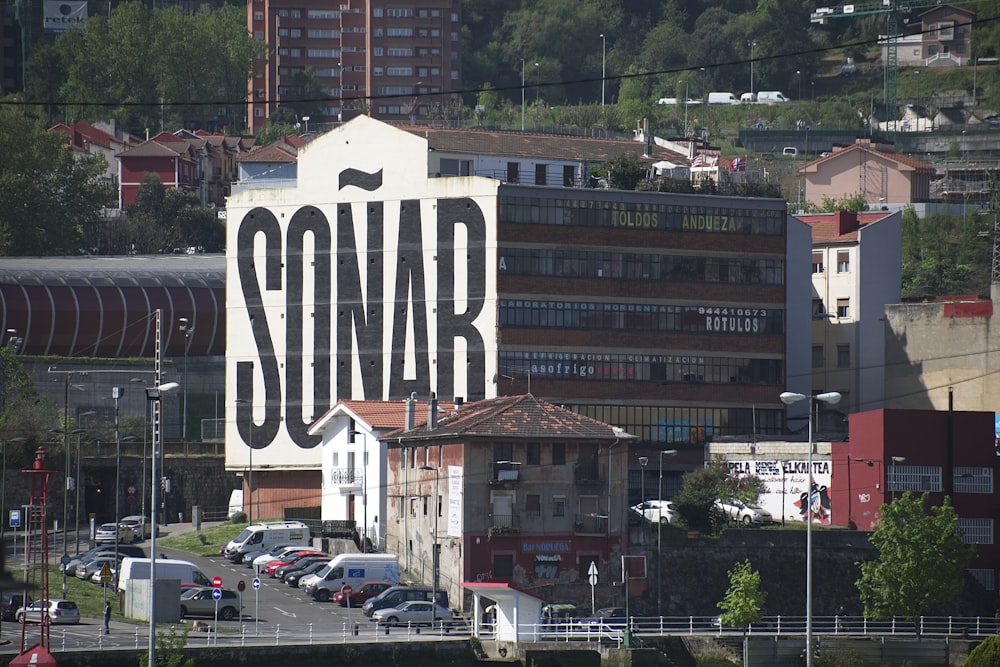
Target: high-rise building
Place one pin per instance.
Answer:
(395, 61)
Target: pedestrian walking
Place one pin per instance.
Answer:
(107, 618)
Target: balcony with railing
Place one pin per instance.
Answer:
(588, 473)
(505, 473)
(346, 477)
(590, 524)
(504, 524)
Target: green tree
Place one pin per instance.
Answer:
(854, 203)
(625, 171)
(163, 220)
(744, 600)
(921, 559)
(987, 654)
(945, 254)
(48, 194)
(700, 489)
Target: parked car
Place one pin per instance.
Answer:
(59, 611)
(272, 567)
(365, 592)
(745, 513)
(602, 619)
(9, 604)
(123, 550)
(199, 602)
(87, 569)
(397, 595)
(293, 578)
(261, 561)
(106, 533)
(416, 612)
(656, 511)
(299, 565)
(142, 526)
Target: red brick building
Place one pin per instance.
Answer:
(392, 59)
(945, 453)
(511, 489)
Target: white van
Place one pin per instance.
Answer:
(722, 98)
(748, 98)
(166, 568)
(263, 537)
(771, 97)
(352, 570)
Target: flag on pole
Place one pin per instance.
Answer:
(738, 164)
(698, 160)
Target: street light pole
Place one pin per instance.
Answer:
(659, 536)
(116, 394)
(246, 401)
(830, 398)
(434, 551)
(522, 94)
(142, 483)
(186, 328)
(604, 64)
(753, 43)
(643, 460)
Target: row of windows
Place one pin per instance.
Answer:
(642, 266)
(819, 310)
(919, 479)
(843, 262)
(662, 217)
(400, 52)
(379, 12)
(685, 424)
(641, 317)
(395, 90)
(843, 356)
(660, 368)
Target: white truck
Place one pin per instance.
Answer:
(262, 537)
(771, 97)
(351, 570)
(722, 98)
(166, 568)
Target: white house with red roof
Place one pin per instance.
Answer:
(856, 271)
(354, 460)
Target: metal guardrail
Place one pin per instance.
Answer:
(246, 633)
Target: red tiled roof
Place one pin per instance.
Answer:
(269, 153)
(390, 414)
(904, 160)
(826, 226)
(514, 417)
(543, 146)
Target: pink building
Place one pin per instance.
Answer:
(869, 169)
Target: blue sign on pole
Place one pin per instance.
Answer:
(216, 593)
(255, 583)
(15, 518)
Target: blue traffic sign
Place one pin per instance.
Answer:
(15, 518)
(216, 593)
(255, 583)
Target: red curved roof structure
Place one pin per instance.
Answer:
(103, 306)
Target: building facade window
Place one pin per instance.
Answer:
(558, 506)
(973, 480)
(817, 356)
(843, 261)
(558, 453)
(843, 356)
(817, 262)
(976, 531)
(661, 267)
(532, 454)
(843, 308)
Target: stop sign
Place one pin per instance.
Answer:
(217, 582)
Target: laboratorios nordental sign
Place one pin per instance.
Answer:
(366, 280)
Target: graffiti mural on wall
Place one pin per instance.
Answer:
(788, 492)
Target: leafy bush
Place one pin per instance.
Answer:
(239, 517)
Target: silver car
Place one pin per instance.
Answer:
(59, 612)
(744, 513)
(106, 534)
(415, 612)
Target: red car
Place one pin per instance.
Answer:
(367, 590)
(288, 560)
